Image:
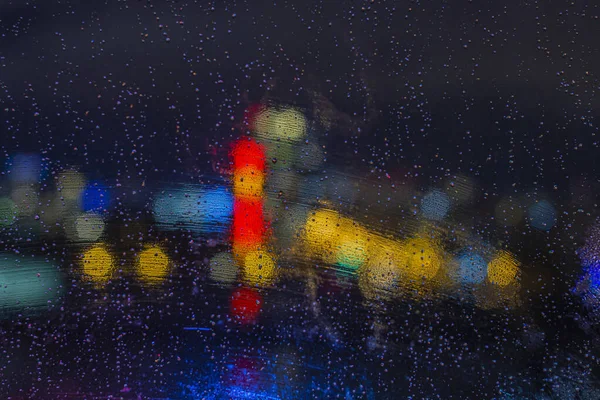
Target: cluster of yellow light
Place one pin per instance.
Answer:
(423, 258)
(153, 265)
(503, 269)
(336, 239)
(288, 124)
(351, 245)
(259, 268)
(248, 182)
(97, 263)
(382, 269)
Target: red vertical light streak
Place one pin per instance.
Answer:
(248, 228)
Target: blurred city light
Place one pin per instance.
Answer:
(8, 211)
(216, 208)
(95, 197)
(424, 258)
(178, 207)
(542, 215)
(503, 269)
(25, 168)
(26, 200)
(88, 227)
(245, 305)
(248, 182)
(472, 268)
(248, 227)
(70, 184)
(153, 265)
(97, 264)
(288, 124)
(259, 268)
(248, 153)
(27, 283)
(351, 245)
(435, 205)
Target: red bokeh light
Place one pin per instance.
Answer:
(246, 305)
(247, 152)
(248, 226)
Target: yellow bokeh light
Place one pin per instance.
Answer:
(248, 182)
(281, 124)
(350, 244)
(153, 265)
(98, 264)
(259, 267)
(381, 272)
(321, 228)
(423, 258)
(503, 269)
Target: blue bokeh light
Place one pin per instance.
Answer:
(472, 268)
(25, 168)
(96, 196)
(435, 205)
(542, 215)
(216, 207)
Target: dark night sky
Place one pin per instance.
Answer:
(88, 82)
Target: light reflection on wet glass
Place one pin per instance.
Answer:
(298, 201)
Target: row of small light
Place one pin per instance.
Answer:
(98, 264)
(383, 263)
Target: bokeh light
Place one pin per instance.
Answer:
(321, 229)
(26, 200)
(351, 245)
(435, 205)
(223, 268)
(259, 268)
(542, 215)
(153, 265)
(178, 207)
(288, 124)
(216, 208)
(95, 197)
(380, 274)
(589, 253)
(27, 283)
(97, 263)
(248, 153)
(8, 211)
(248, 227)
(70, 184)
(89, 227)
(424, 258)
(25, 168)
(248, 182)
(472, 268)
(503, 269)
(246, 305)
